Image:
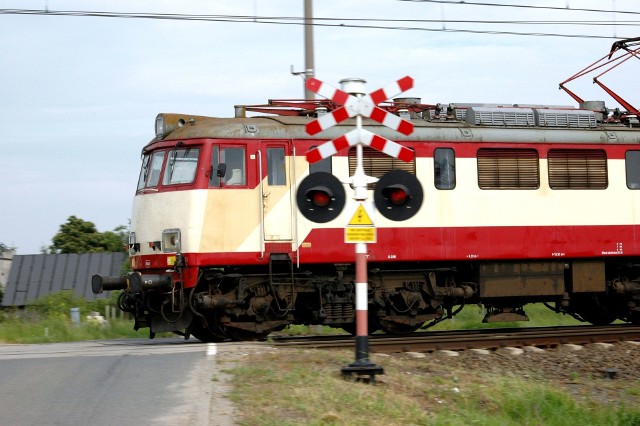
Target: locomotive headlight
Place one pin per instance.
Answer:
(160, 126)
(167, 123)
(171, 240)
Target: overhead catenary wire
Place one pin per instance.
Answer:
(521, 6)
(355, 23)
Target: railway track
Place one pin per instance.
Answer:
(473, 339)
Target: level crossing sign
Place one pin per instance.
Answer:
(360, 106)
(398, 194)
(322, 196)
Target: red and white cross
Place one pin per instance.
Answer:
(364, 106)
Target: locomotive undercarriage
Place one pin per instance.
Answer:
(244, 304)
(253, 305)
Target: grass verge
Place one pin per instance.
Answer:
(305, 387)
(48, 320)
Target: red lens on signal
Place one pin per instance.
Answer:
(398, 196)
(320, 198)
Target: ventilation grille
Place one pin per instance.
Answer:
(484, 116)
(577, 169)
(565, 118)
(508, 168)
(460, 114)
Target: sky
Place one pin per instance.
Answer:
(79, 95)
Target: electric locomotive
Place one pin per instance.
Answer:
(235, 235)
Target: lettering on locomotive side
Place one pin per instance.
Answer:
(618, 250)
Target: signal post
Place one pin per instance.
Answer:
(362, 367)
(317, 188)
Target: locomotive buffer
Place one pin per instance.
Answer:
(391, 190)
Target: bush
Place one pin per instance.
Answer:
(48, 319)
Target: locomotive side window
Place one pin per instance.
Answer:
(577, 169)
(276, 173)
(231, 162)
(156, 166)
(181, 166)
(234, 158)
(444, 163)
(508, 168)
(632, 165)
(214, 179)
(151, 168)
(377, 163)
(144, 171)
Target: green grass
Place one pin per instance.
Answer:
(311, 391)
(539, 315)
(307, 392)
(48, 320)
(513, 401)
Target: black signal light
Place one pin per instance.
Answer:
(398, 195)
(321, 197)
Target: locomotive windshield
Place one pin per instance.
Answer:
(181, 166)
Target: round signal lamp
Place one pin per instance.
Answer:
(398, 196)
(320, 198)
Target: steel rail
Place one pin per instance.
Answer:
(473, 339)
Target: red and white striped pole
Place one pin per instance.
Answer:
(362, 365)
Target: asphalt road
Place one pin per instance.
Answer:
(141, 382)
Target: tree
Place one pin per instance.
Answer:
(80, 236)
(5, 248)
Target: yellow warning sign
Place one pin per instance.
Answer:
(360, 217)
(360, 235)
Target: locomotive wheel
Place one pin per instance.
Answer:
(594, 311)
(198, 330)
(351, 327)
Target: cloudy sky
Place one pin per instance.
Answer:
(79, 94)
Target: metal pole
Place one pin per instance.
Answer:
(362, 300)
(362, 367)
(309, 67)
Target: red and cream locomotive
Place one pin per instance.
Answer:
(234, 234)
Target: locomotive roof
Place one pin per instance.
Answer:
(461, 122)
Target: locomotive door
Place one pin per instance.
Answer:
(275, 164)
